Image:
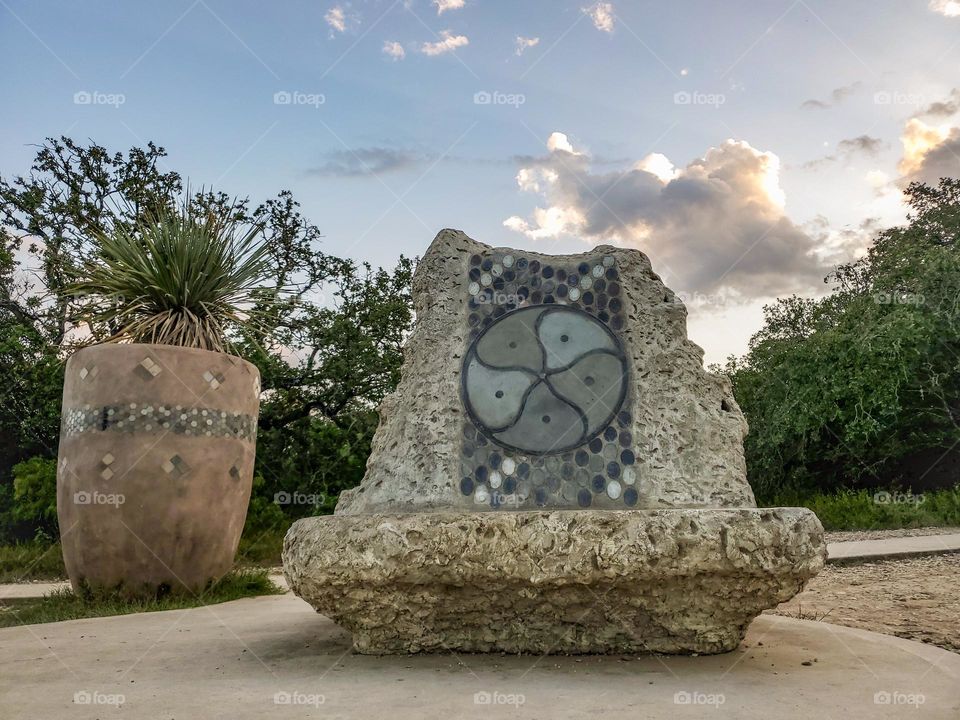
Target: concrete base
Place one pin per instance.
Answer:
(274, 657)
(672, 581)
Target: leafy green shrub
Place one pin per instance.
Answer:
(878, 510)
(35, 494)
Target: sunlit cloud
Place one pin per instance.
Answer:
(602, 15)
(336, 18)
(394, 50)
(444, 5)
(718, 223)
(950, 8)
(448, 42)
(524, 43)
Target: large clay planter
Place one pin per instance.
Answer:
(155, 467)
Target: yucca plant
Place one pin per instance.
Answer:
(186, 277)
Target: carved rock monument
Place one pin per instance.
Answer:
(556, 472)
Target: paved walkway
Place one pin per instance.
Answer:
(893, 547)
(274, 657)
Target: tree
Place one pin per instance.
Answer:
(335, 329)
(845, 390)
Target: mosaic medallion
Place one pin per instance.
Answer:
(544, 385)
(544, 379)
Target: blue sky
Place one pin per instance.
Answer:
(745, 146)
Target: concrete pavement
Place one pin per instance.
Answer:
(273, 656)
(893, 547)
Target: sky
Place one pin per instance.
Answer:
(746, 147)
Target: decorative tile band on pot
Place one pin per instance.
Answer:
(131, 417)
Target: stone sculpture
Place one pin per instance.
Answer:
(556, 472)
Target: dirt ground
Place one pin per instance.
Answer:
(913, 598)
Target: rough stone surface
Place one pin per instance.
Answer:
(687, 430)
(562, 392)
(673, 581)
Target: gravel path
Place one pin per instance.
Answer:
(914, 598)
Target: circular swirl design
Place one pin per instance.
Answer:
(544, 379)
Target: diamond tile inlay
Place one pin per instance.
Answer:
(213, 379)
(176, 466)
(148, 368)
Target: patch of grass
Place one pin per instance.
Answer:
(261, 549)
(67, 605)
(31, 561)
(864, 510)
(27, 562)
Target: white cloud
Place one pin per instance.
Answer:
(659, 165)
(879, 181)
(601, 14)
(919, 140)
(523, 43)
(931, 149)
(444, 5)
(950, 8)
(394, 50)
(717, 224)
(559, 141)
(448, 42)
(336, 18)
